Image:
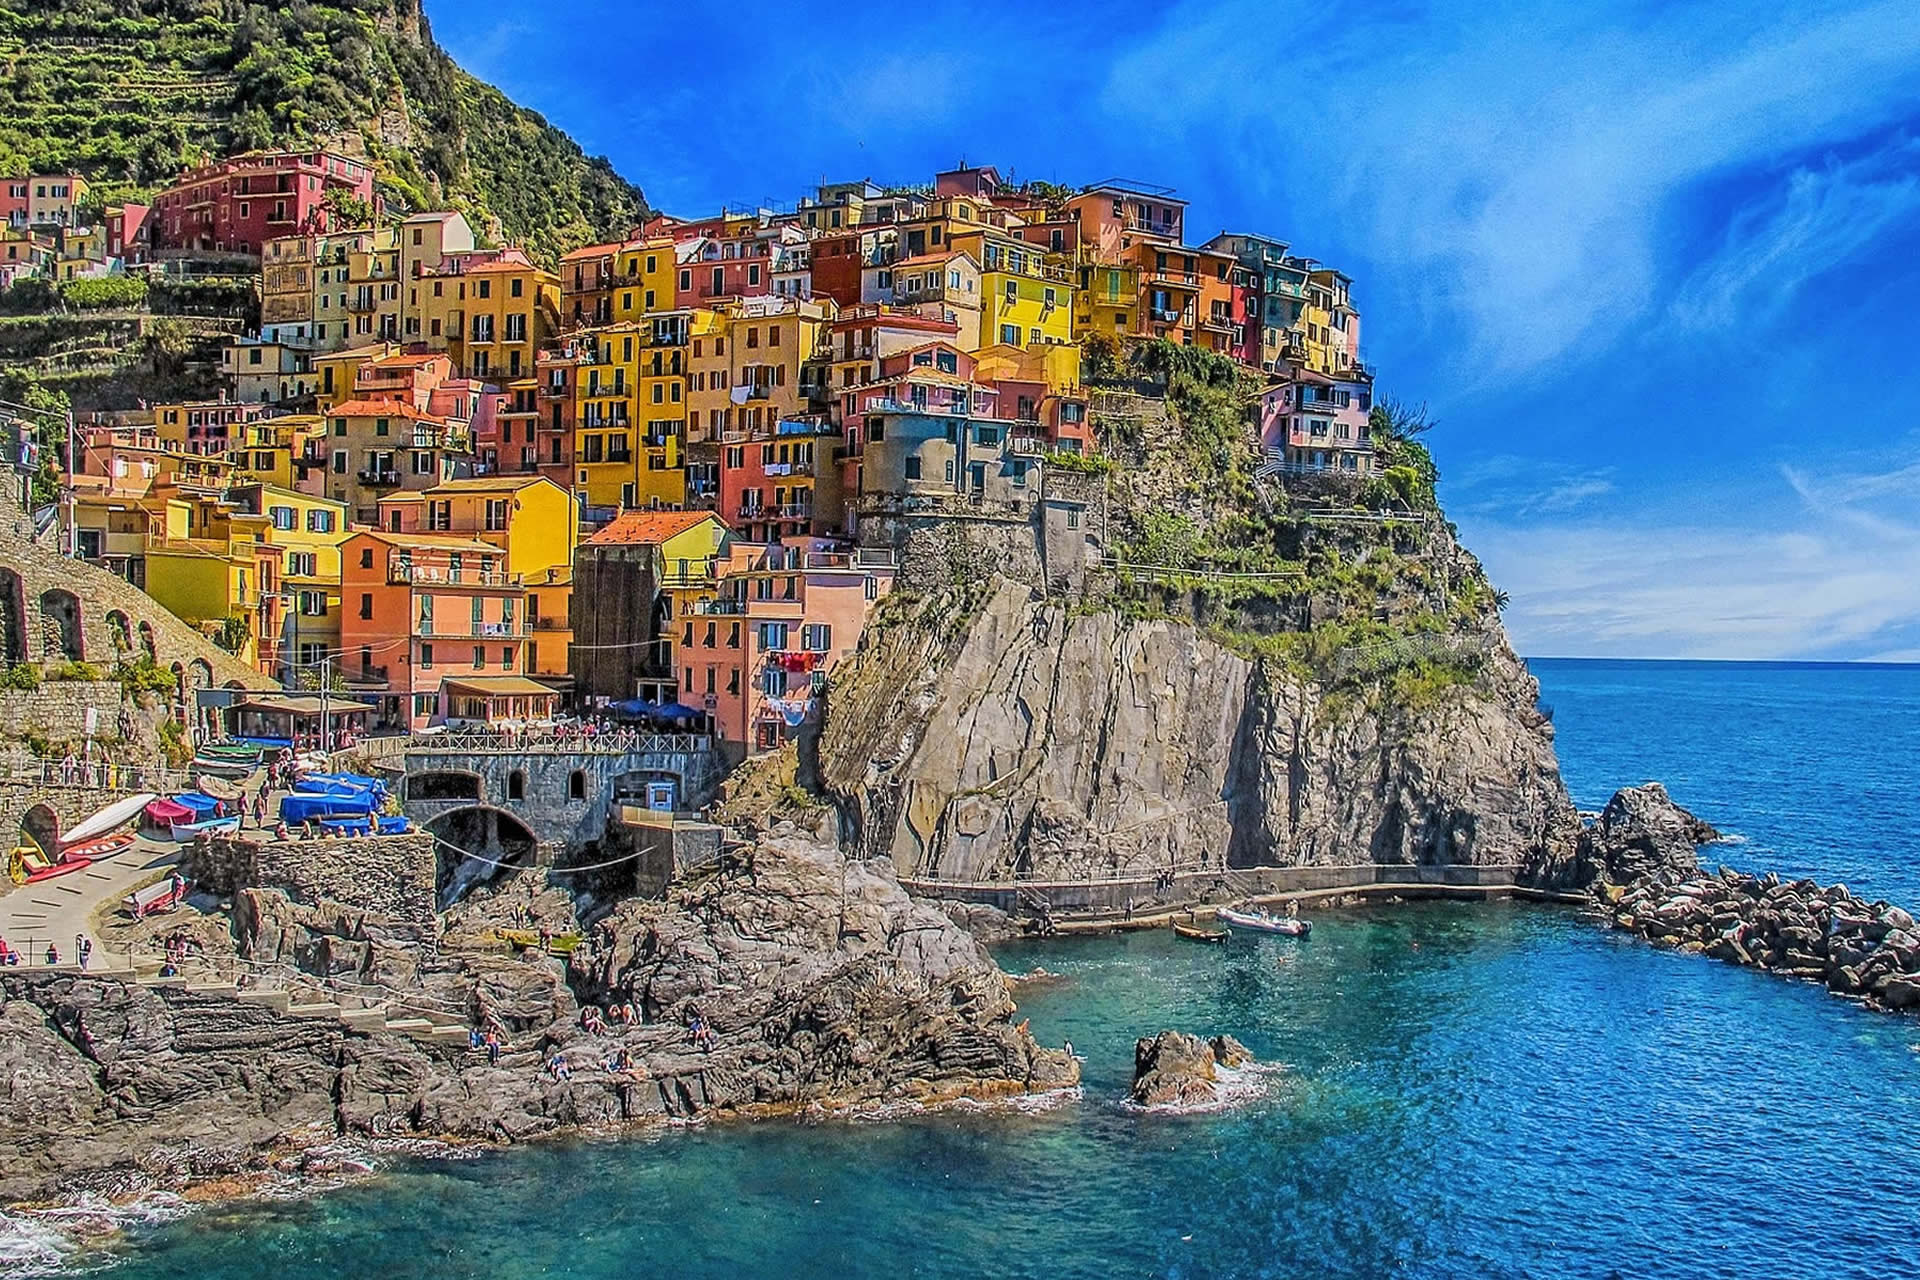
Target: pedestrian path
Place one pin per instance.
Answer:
(58, 909)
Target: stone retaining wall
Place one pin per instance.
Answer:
(1209, 884)
(57, 710)
(387, 876)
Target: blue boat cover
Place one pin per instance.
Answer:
(299, 808)
(198, 802)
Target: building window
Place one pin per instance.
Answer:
(426, 655)
(577, 785)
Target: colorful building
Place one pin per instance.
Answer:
(642, 571)
(422, 611)
(237, 205)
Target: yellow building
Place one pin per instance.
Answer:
(1107, 299)
(491, 315)
(211, 566)
(53, 199)
(373, 286)
(426, 241)
(643, 279)
(339, 372)
(331, 281)
(310, 529)
(279, 452)
(1026, 294)
(660, 412)
(606, 391)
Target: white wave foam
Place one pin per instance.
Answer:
(1729, 837)
(50, 1241)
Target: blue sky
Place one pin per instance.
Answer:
(1654, 267)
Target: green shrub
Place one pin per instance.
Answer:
(118, 293)
(74, 671)
(145, 676)
(21, 675)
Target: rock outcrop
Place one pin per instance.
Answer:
(1175, 1070)
(1030, 738)
(1642, 835)
(793, 979)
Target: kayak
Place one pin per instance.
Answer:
(117, 814)
(1194, 934)
(1262, 922)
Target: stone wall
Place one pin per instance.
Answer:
(57, 711)
(387, 876)
(68, 804)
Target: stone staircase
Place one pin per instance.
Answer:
(369, 1020)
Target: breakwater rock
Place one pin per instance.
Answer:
(1642, 835)
(1865, 949)
(1177, 1071)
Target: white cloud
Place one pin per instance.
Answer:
(1832, 578)
(1518, 155)
(1823, 218)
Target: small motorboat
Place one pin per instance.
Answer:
(227, 759)
(1194, 933)
(1264, 922)
(221, 826)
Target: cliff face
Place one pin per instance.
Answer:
(1051, 742)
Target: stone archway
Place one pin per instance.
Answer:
(40, 825)
(473, 845)
(200, 674)
(13, 606)
(147, 645)
(444, 784)
(60, 625)
(119, 634)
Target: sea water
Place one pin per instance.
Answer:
(1464, 1090)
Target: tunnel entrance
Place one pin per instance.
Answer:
(40, 826)
(474, 845)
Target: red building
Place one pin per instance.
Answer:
(837, 262)
(238, 204)
(129, 232)
(781, 482)
(13, 206)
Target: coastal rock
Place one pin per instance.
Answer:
(1642, 835)
(816, 981)
(1179, 1071)
(1044, 741)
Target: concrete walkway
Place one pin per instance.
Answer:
(57, 909)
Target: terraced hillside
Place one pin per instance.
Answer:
(126, 91)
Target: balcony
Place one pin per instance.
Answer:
(379, 479)
(446, 576)
(720, 607)
(1178, 279)
(792, 511)
(803, 467)
(548, 622)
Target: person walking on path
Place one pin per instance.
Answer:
(260, 808)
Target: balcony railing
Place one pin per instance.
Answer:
(443, 576)
(380, 479)
(549, 622)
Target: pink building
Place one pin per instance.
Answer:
(1318, 423)
(785, 614)
(238, 204)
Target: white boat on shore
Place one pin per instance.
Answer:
(1263, 922)
(222, 826)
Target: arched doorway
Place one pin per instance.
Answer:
(119, 634)
(517, 785)
(147, 645)
(199, 674)
(13, 632)
(60, 625)
(472, 845)
(40, 825)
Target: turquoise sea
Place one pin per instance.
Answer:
(1483, 1091)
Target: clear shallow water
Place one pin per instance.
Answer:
(1489, 1091)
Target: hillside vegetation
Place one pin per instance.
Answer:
(127, 91)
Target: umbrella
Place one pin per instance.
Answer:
(676, 711)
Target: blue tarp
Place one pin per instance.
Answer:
(299, 808)
(202, 805)
(340, 784)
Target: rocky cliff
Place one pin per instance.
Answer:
(1034, 737)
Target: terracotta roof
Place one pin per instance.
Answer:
(592, 251)
(632, 527)
(406, 360)
(499, 686)
(382, 409)
(479, 484)
(929, 258)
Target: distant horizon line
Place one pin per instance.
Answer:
(1732, 662)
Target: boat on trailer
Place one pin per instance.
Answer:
(225, 825)
(1264, 922)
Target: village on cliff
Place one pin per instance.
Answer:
(455, 489)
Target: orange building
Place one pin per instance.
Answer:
(422, 611)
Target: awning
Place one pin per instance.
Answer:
(302, 706)
(498, 687)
